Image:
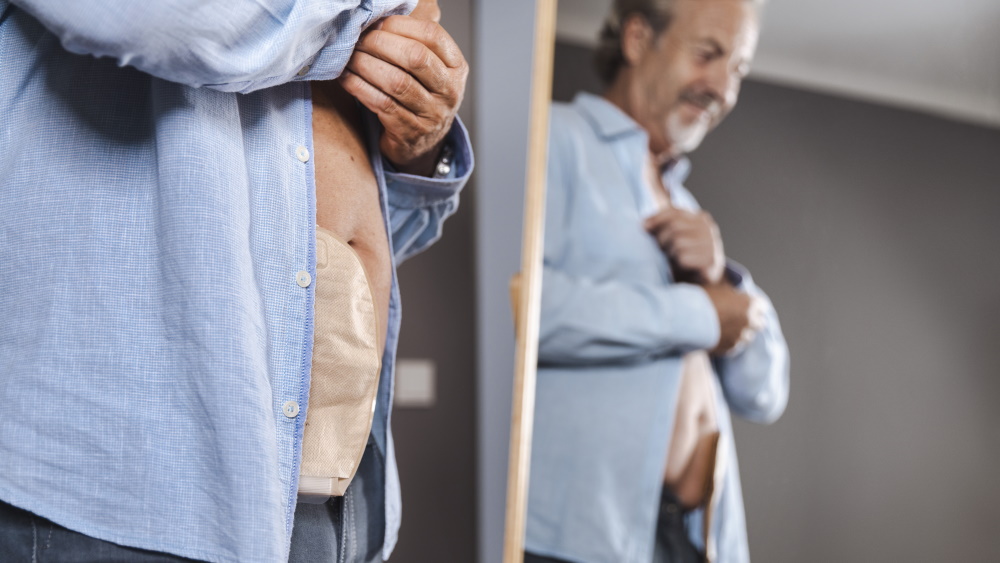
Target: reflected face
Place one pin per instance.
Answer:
(686, 80)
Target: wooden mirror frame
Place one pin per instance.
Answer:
(526, 288)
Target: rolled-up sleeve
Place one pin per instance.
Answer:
(228, 46)
(590, 322)
(754, 378)
(418, 205)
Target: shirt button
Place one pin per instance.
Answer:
(302, 154)
(304, 71)
(291, 409)
(303, 278)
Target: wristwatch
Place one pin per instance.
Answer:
(443, 166)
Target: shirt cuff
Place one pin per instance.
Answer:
(413, 191)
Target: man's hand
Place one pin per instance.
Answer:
(692, 242)
(427, 10)
(740, 316)
(411, 74)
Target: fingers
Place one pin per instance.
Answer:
(746, 335)
(756, 314)
(400, 123)
(393, 83)
(681, 241)
(427, 33)
(665, 226)
(676, 222)
(691, 239)
(755, 321)
(661, 220)
(406, 54)
(371, 97)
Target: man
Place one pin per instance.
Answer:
(648, 337)
(180, 183)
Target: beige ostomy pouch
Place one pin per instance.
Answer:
(346, 363)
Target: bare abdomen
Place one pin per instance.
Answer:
(347, 194)
(691, 458)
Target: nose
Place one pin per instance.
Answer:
(724, 83)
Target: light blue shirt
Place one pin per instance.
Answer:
(156, 255)
(614, 326)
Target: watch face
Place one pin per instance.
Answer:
(443, 167)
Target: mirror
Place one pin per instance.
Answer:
(526, 285)
(858, 190)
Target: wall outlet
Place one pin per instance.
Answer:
(415, 383)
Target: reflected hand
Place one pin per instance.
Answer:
(692, 242)
(411, 74)
(741, 316)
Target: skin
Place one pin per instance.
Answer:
(411, 74)
(678, 86)
(347, 195)
(688, 469)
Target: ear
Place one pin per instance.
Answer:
(637, 39)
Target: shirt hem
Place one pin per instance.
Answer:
(100, 533)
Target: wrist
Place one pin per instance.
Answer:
(422, 165)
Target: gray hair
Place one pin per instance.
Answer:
(608, 57)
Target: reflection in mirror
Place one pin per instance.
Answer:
(648, 335)
(651, 340)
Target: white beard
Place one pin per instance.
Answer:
(685, 137)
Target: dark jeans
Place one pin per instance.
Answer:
(26, 538)
(673, 545)
(345, 529)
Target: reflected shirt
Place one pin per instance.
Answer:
(157, 252)
(614, 327)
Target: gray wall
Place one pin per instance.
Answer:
(874, 231)
(435, 447)
(504, 36)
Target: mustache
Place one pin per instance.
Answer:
(704, 100)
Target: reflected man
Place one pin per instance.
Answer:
(649, 336)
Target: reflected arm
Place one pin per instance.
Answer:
(754, 377)
(584, 321)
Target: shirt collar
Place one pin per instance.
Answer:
(605, 117)
(609, 121)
